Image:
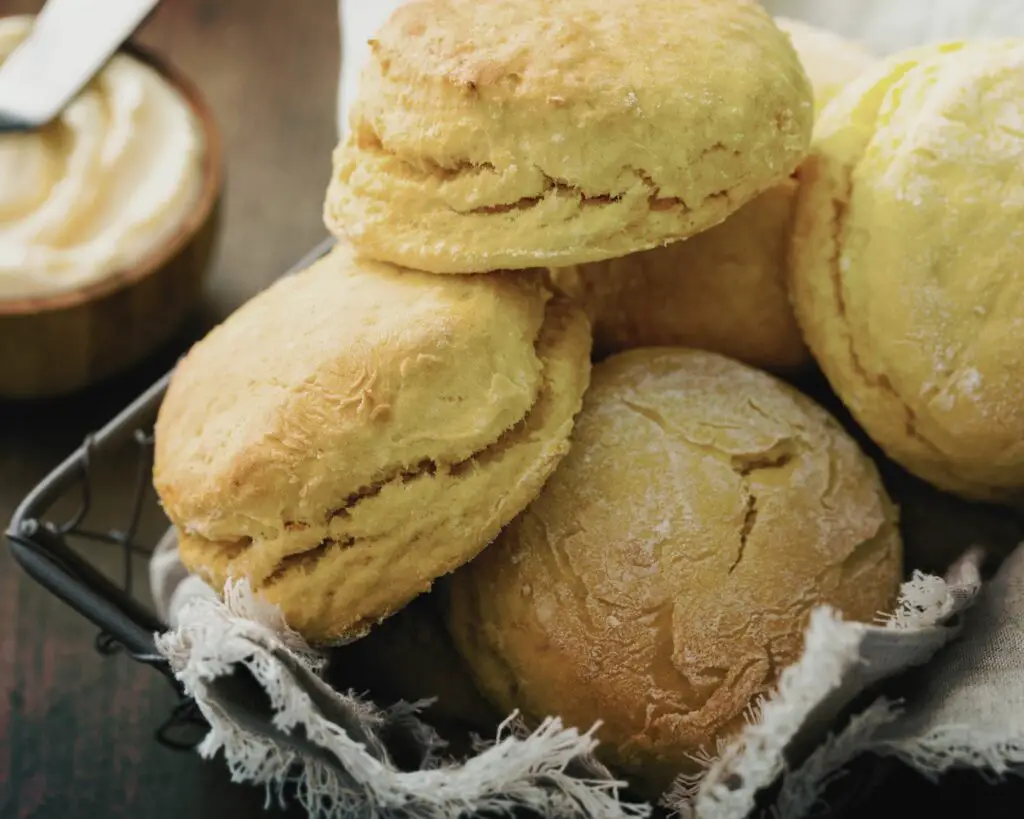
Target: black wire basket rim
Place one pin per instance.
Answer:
(40, 548)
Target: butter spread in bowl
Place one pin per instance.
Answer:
(109, 217)
(111, 179)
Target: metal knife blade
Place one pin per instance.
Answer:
(70, 42)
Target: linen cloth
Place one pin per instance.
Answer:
(964, 707)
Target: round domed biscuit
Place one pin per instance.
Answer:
(906, 271)
(522, 133)
(723, 290)
(664, 576)
(357, 430)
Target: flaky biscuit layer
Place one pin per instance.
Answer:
(357, 430)
(514, 134)
(725, 289)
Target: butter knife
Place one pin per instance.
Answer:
(70, 41)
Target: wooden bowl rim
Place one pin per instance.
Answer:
(161, 254)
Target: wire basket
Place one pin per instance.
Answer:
(101, 571)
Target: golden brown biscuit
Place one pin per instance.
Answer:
(520, 133)
(907, 276)
(723, 290)
(664, 576)
(358, 430)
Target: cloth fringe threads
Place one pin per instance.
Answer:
(549, 772)
(513, 773)
(840, 660)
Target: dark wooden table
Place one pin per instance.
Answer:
(76, 730)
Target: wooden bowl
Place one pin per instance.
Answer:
(56, 344)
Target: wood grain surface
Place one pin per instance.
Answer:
(76, 729)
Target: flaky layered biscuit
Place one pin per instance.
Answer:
(725, 289)
(358, 430)
(663, 578)
(517, 133)
(907, 276)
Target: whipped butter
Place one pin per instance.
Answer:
(101, 187)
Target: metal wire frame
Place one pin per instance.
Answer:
(40, 546)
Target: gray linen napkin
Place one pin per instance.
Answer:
(962, 705)
(966, 708)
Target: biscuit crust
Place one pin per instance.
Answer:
(522, 133)
(725, 289)
(663, 578)
(906, 268)
(357, 430)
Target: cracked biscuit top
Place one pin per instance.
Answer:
(521, 133)
(663, 578)
(357, 430)
(908, 261)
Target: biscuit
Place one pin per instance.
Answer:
(358, 430)
(664, 576)
(723, 290)
(906, 262)
(522, 133)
